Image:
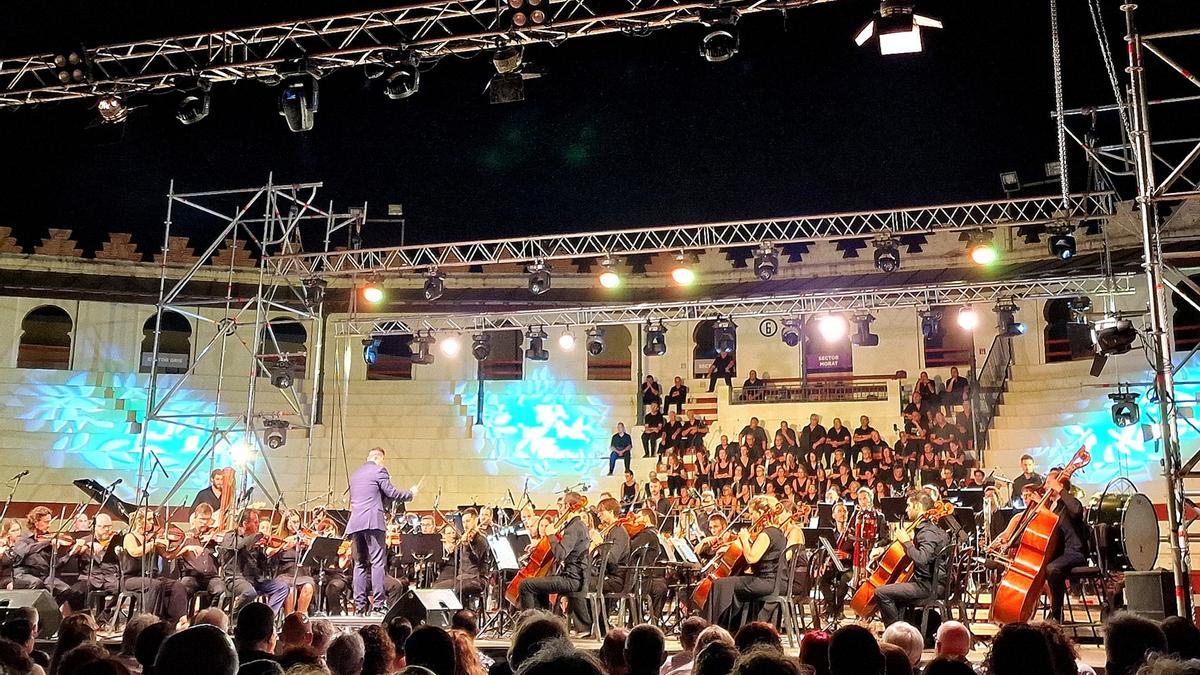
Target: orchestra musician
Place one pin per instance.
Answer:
(762, 550)
(10, 534)
(868, 530)
(1030, 492)
(465, 558)
(31, 555)
(100, 572)
(654, 580)
(144, 571)
(1072, 541)
(928, 549)
(210, 495)
(569, 546)
(243, 555)
(288, 570)
(1029, 475)
(834, 584)
(197, 556)
(714, 543)
(371, 490)
(617, 538)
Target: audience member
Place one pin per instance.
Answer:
(907, 637)
(199, 650)
(612, 651)
(466, 659)
(715, 658)
(853, 650)
(814, 651)
(953, 640)
(13, 658)
(295, 632)
(213, 616)
(645, 650)
(261, 667)
(689, 629)
(72, 632)
(431, 647)
(465, 620)
(1161, 664)
(79, 657)
(345, 654)
(1128, 640)
(765, 660)
(149, 642)
(129, 638)
(399, 629)
(710, 635)
(322, 634)
(947, 666)
(21, 632)
(559, 657)
(254, 634)
(895, 660)
(1062, 650)
(533, 628)
(378, 651)
(757, 633)
(1183, 637)
(1019, 649)
(300, 656)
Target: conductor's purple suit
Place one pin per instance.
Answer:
(370, 490)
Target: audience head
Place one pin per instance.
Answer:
(853, 650)
(763, 660)
(322, 633)
(895, 659)
(1019, 649)
(1128, 640)
(715, 658)
(689, 630)
(345, 654)
(466, 621)
(814, 651)
(212, 616)
(255, 627)
(21, 632)
(612, 651)
(953, 640)
(399, 628)
(757, 633)
(645, 649)
(466, 659)
(260, 667)
(82, 656)
(296, 630)
(303, 655)
(1183, 637)
(907, 637)
(199, 650)
(13, 658)
(133, 629)
(150, 641)
(1062, 649)
(943, 665)
(378, 651)
(431, 647)
(559, 657)
(534, 629)
(713, 633)
(1161, 664)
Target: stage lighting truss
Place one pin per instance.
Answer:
(371, 350)
(536, 337)
(897, 27)
(722, 40)
(766, 261)
(724, 335)
(275, 434)
(1125, 409)
(481, 346)
(863, 337)
(656, 339)
(539, 278)
(422, 343)
(1006, 319)
(793, 332)
(887, 254)
(595, 340)
(282, 373)
(435, 284)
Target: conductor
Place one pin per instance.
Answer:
(371, 492)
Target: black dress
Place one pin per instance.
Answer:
(730, 594)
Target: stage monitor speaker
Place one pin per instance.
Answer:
(433, 606)
(1150, 594)
(49, 617)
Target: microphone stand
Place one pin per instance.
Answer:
(16, 482)
(54, 543)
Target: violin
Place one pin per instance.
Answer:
(60, 541)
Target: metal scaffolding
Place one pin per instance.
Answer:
(957, 293)
(860, 224)
(428, 31)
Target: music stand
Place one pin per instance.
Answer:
(813, 535)
(893, 508)
(502, 553)
(832, 554)
(424, 545)
(684, 550)
(971, 498)
(825, 514)
(321, 554)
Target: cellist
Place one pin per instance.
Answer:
(929, 552)
(762, 545)
(1072, 538)
(569, 546)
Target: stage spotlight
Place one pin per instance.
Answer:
(863, 337)
(791, 332)
(372, 292)
(766, 262)
(608, 274)
(931, 324)
(450, 345)
(968, 318)
(112, 108)
(981, 248)
(725, 335)
(833, 327)
(721, 41)
(1079, 306)
(566, 341)
(595, 340)
(435, 284)
(1125, 410)
(298, 101)
(536, 351)
(194, 105)
(402, 81)
(1062, 244)
(282, 373)
(539, 278)
(1112, 336)
(656, 340)
(72, 66)
(1010, 182)
(887, 255)
(370, 350)
(421, 354)
(518, 14)
(481, 346)
(276, 432)
(508, 84)
(898, 28)
(1006, 320)
(682, 273)
(242, 455)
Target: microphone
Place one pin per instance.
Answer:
(114, 484)
(20, 475)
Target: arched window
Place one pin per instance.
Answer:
(507, 360)
(1067, 336)
(174, 344)
(1186, 324)
(45, 339)
(393, 358)
(950, 345)
(284, 337)
(616, 361)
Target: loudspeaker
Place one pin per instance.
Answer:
(1150, 594)
(434, 606)
(49, 617)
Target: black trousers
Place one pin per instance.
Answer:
(650, 444)
(729, 594)
(535, 594)
(893, 599)
(833, 588)
(1057, 571)
(214, 585)
(63, 593)
(712, 381)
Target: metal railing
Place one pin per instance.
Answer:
(812, 392)
(990, 383)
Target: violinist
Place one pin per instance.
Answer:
(1072, 535)
(144, 571)
(928, 549)
(242, 553)
(762, 545)
(791, 522)
(834, 584)
(31, 555)
(288, 570)
(463, 569)
(100, 572)
(569, 545)
(616, 537)
(197, 558)
(10, 534)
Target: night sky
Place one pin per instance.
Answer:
(620, 132)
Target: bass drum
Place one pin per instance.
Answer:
(1127, 527)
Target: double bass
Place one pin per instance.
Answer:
(732, 560)
(541, 557)
(1021, 586)
(894, 566)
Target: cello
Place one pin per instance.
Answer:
(732, 560)
(894, 566)
(541, 557)
(1021, 586)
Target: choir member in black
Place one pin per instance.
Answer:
(789, 435)
(675, 475)
(197, 558)
(929, 465)
(145, 572)
(654, 580)
(570, 548)
(651, 392)
(210, 495)
(10, 534)
(759, 485)
(1029, 475)
(672, 435)
(31, 556)
(927, 388)
(957, 389)
(629, 491)
(754, 437)
(812, 437)
(763, 551)
(652, 431)
(693, 431)
(752, 387)
(463, 569)
(833, 584)
(861, 437)
(722, 367)
(838, 437)
(677, 395)
(243, 556)
(1072, 537)
(978, 480)
(946, 481)
(929, 552)
(288, 570)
